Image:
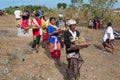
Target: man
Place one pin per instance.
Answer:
(73, 56)
(17, 14)
(61, 24)
(108, 39)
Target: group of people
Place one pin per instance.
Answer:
(54, 35)
(95, 23)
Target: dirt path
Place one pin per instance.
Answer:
(19, 62)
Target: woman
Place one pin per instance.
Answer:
(45, 23)
(54, 41)
(25, 19)
(108, 38)
(73, 57)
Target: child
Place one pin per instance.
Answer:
(36, 31)
(108, 38)
(45, 23)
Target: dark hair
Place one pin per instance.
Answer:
(44, 16)
(109, 24)
(52, 18)
(36, 15)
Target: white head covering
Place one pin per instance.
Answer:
(71, 21)
(60, 15)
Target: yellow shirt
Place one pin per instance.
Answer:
(45, 25)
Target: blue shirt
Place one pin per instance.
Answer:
(51, 39)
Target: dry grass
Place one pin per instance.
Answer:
(99, 64)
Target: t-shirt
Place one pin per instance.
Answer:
(17, 13)
(45, 25)
(109, 30)
(50, 30)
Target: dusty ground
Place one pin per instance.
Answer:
(19, 62)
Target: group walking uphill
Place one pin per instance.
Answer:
(54, 35)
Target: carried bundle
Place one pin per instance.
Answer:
(80, 40)
(32, 26)
(80, 43)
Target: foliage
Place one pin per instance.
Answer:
(31, 8)
(61, 5)
(102, 8)
(77, 3)
(77, 10)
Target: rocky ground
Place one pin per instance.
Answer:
(19, 62)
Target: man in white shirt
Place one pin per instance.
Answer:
(17, 14)
(108, 38)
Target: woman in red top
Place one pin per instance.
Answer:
(36, 31)
(25, 19)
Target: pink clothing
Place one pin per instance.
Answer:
(55, 54)
(45, 36)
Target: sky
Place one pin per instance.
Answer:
(47, 3)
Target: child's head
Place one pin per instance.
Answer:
(109, 24)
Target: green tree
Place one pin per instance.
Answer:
(61, 5)
(64, 5)
(102, 8)
(77, 3)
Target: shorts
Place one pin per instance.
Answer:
(107, 41)
(111, 41)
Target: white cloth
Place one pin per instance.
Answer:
(109, 30)
(74, 34)
(17, 13)
(36, 23)
(55, 45)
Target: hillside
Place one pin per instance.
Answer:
(19, 62)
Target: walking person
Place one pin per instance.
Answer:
(54, 40)
(25, 19)
(36, 23)
(108, 39)
(61, 24)
(45, 23)
(73, 56)
(17, 14)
